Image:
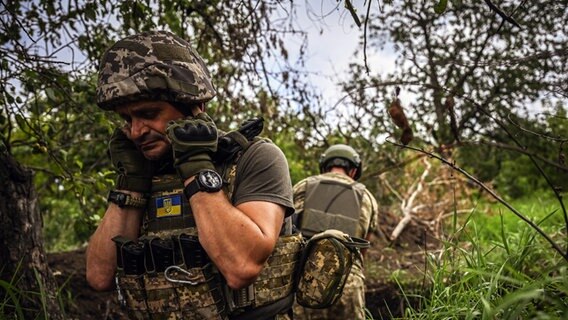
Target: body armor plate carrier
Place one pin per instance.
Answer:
(166, 274)
(331, 204)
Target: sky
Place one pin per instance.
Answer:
(333, 39)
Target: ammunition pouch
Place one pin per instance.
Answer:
(174, 279)
(328, 259)
(177, 281)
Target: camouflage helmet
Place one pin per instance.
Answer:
(341, 151)
(155, 65)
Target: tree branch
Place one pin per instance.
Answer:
(554, 245)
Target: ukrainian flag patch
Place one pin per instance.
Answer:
(168, 206)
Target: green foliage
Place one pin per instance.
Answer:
(510, 168)
(497, 75)
(497, 267)
(48, 118)
(440, 7)
(12, 298)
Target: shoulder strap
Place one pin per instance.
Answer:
(231, 146)
(230, 168)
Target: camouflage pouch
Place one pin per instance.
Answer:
(328, 260)
(199, 292)
(199, 283)
(132, 295)
(161, 297)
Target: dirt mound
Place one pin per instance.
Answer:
(85, 303)
(394, 267)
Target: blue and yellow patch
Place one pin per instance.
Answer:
(168, 206)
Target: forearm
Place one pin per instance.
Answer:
(238, 240)
(101, 252)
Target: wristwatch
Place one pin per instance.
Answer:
(125, 200)
(206, 180)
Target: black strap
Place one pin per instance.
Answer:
(268, 311)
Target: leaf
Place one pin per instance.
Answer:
(91, 13)
(21, 121)
(441, 6)
(50, 94)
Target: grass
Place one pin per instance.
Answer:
(497, 267)
(12, 299)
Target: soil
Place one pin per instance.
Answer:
(405, 257)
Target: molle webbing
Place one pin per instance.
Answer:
(178, 281)
(191, 288)
(275, 282)
(168, 208)
(331, 204)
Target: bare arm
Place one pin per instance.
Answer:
(237, 239)
(101, 252)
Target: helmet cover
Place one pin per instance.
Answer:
(155, 65)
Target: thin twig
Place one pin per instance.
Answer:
(491, 192)
(502, 14)
(365, 38)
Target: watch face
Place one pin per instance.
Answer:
(210, 180)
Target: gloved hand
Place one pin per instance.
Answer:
(134, 170)
(193, 140)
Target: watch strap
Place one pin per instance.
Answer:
(197, 184)
(192, 188)
(123, 199)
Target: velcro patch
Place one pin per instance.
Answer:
(168, 206)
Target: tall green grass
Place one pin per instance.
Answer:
(13, 299)
(496, 267)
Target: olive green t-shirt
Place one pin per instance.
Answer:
(263, 175)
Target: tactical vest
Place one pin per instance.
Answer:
(331, 204)
(167, 274)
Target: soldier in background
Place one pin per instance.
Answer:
(193, 221)
(335, 200)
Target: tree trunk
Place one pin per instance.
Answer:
(23, 264)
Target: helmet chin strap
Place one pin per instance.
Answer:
(352, 173)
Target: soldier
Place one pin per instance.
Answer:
(335, 200)
(196, 213)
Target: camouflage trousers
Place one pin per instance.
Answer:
(351, 304)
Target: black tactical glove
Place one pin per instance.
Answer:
(193, 140)
(134, 170)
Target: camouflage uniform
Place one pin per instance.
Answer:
(154, 66)
(161, 66)
(352, 302)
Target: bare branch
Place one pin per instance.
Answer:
(452, 165)
(502, 14)
(407, 205)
